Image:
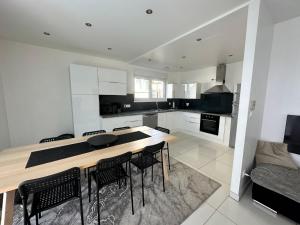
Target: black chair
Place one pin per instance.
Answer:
(60, 137)
(167, 131)
(109, 171)
(121, 128)
(49, 192)
(93, 132)
(146, 159)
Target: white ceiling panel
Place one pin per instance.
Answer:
(118, 24)
(222, 42)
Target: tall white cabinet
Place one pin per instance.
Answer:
(85, 98)
(87, 83)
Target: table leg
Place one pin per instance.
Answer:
(8, 208)
(166, 168)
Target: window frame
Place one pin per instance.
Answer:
(151, 99)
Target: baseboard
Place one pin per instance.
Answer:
(243, 189)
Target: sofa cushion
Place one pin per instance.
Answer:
(279, 179)
(274, 153)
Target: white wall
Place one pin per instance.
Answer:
(233, 74)
(204, 75)
(207, 75)
(37, 89)
(254, 82)
(4, 132)
(283, 95)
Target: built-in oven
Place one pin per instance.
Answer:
(210, 124)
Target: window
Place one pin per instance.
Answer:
(149, 89)
(141, 88)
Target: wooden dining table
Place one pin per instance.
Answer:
(13, 162)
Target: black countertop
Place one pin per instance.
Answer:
(143, 112)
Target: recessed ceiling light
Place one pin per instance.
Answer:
(46, 33)
(149, 11)
(180, 67)
(183, 57)
(109, 49)
(88, 24)
(230, 55)
(199, 39)
(149, 60)
(167, 68)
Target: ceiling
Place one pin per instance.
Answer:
(282, 10)
(121, 25)
(222, 41)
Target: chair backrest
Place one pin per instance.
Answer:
(121, 128)
(113, 162)
(48, 140)
(162, 129)
(60, 137)
(153, 149)
(51, 191)
(93, 132)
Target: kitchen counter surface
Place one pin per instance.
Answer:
(143, 112)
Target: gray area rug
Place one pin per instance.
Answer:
(185, 192)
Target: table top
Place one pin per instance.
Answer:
(102, 139)
(13, 160)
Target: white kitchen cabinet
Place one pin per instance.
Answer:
(109, 88)
(112, 75)
(191, 122)
(85, 113)
(84, 79)
(109, 124)
(112, 81)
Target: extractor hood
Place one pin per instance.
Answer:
(220, 77)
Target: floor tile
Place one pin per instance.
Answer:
(200, 216)
(219, 196)
(193, 159)
(219, 219)
(218, 170)
(226, 158)
(245, 212)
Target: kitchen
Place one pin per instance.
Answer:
(204, 110)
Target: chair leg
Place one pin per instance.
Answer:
(98, 205)
(81, 209)
(152, 172)
(89, 185)
(143, 188)
(36, 219)
(168, 156)
(162, 169)
(131, 192)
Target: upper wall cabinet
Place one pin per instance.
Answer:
(84, 79)
(112, 81)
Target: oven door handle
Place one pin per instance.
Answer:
(209, 120)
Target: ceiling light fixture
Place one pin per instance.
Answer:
(230, 55)
(149, 11)
(149, 60)
(199, 39)
(183, 57)
(88, 24)
(109, 49)
(46, 33)
(181, 67)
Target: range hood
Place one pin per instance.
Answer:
(219, 88)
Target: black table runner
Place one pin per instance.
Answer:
(54, 154)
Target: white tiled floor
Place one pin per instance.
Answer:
(215, 161)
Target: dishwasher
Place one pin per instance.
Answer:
(150, 120)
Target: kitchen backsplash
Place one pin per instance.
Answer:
(111, 104)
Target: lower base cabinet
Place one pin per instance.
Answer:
(109, 124)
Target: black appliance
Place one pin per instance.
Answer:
(217, 102)
(210, 123)
(292, 133)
